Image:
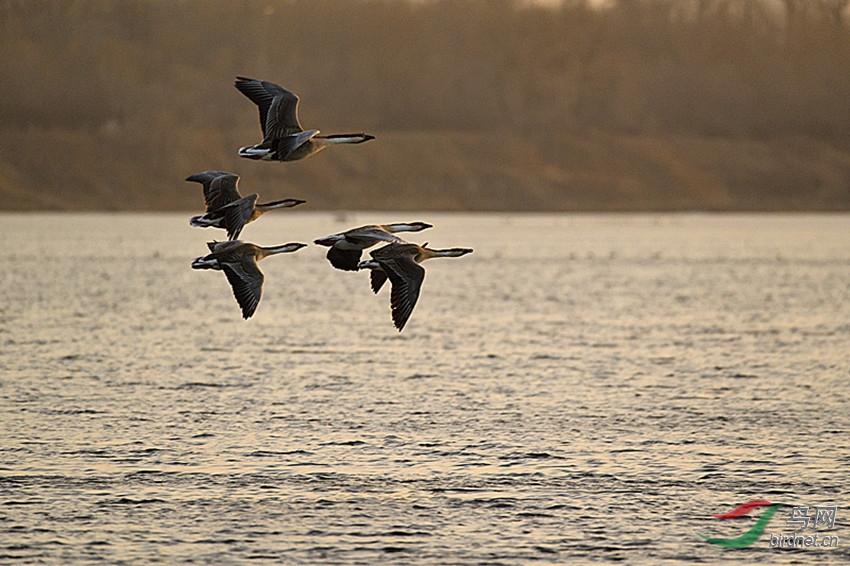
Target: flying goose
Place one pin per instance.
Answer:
(239, 260)
(283, 137)
(228, 209)
(400, 263)
(345, 248)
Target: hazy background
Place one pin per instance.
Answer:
(476, 105)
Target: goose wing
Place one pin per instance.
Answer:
(406, 277)
(278, 107)
(222, 191)
(290, 142)
(369, 237)
(246, 280)
(377, 278)
(219, 247)
(346, 260)
(206, 179)
(237, 214)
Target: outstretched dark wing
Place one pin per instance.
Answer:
(346, 260)
(278, 107)
(222, 247)
(370, 237)
(237, 214)
(406, 277)
(285, 143)
(206, 179)
(246, 279)
(221, 191)
(378, 277)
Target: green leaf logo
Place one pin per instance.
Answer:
(755, 532)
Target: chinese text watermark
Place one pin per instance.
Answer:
(802, 519)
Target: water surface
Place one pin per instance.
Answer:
(582, 388)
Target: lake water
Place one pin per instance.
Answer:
(580, 389)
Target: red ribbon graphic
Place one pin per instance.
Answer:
(744, 509)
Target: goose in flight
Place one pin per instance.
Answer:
(283, 137)
(239, 260)
(345, 248)
(399, 262)
(228, 209)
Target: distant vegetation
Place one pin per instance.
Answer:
(476, 104)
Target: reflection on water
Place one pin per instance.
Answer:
(581, 388)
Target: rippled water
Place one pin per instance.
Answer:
(579, 389)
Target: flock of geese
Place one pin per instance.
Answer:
(285, 140)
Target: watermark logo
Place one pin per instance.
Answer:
(800, 520)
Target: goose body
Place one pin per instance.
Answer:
(283, 137)
(239, 260)
(346, 247)
(226, 208)
(399, 262)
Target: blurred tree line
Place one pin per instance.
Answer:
(142, 75)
